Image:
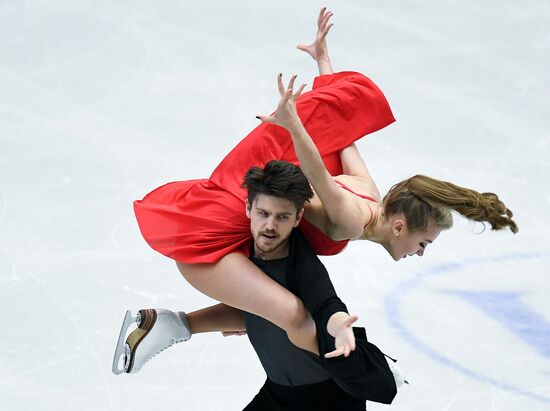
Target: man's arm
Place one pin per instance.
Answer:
(364, 373)
(308, 278)
(219, 317)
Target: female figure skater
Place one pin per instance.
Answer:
(202, 224)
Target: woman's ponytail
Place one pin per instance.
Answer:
(424, 199)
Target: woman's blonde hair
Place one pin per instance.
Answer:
(424, 200)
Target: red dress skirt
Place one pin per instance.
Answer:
(201, 221)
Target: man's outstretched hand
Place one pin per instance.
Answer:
(340, 327)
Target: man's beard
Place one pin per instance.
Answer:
(265, 245)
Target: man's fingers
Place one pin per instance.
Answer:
(230, 333)
(335, 353)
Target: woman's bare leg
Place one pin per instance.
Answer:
(236, 281)
(219, 317)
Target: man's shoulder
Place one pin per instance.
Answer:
(301, 251)
(300, 245)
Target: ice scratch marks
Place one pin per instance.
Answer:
(449, 404)
(153, 298)
(117, 243)
(84, 337)
(42, 367)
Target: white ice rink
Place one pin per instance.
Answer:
(102, 101)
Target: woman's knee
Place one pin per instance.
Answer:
(294, 316)
(182, 268)
(191, 271)
(194, 274)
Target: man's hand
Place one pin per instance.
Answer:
(230, 333)
(340, 327)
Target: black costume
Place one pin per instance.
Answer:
(298, 379)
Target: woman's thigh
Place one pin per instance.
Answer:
(236, 281)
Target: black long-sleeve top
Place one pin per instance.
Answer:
(364, 373)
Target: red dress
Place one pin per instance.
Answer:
(201, 221)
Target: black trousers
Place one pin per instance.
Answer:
(322, 396)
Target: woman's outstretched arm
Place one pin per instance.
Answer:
(345, 220)
(318, 50)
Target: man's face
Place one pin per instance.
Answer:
(271, 222)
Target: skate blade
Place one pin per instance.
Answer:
(148, 318)
(119, 351)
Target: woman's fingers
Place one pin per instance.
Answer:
(325, 27)
(280, 84)
(325, 20)
(286, 94)
(325, 31)
(320, 18)
(299, 92)
(291, 82)
(266, 119)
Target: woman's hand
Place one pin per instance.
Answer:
(318, 49)
(340, 327)
(285, 115)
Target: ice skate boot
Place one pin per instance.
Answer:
(398, 375)
(157, 329)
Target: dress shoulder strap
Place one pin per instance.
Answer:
(345, 187)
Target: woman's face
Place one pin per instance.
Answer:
(404, 243)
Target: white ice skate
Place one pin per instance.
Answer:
(157, 329)
(396, 371)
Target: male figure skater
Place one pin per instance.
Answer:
(297, 379)
(346, 370)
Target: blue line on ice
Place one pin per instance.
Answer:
(393, 300)
(517, 317)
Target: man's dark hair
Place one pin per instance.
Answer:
(279, 179)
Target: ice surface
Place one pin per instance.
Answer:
(100, 102)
